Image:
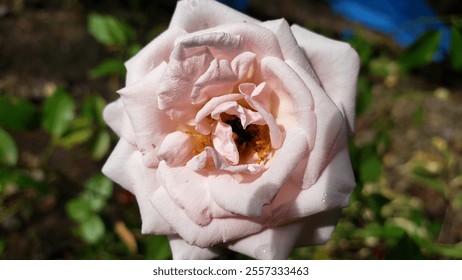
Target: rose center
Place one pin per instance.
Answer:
(251, 142)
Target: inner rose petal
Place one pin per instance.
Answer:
(211, 156)
(202, 125)
(223, 142)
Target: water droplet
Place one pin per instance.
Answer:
(325, 194)
(193, 3)
(263, 252)
(323, 201)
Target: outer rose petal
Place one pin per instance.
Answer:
(150, 124)
(278, 242)
(336, 65)
(152, 55)
(193, 15)
(116, 117)
(289, 46)
(183, 251)
(332, 190)
(219, 230)
(125, 167)
(328, 127)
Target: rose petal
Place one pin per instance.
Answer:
(117, 118)
(178, 80)
(276, 136)
(183, 251)
(328, 128)
(150, 125)
(272, 243)
(221, 76)
(217, 80)
(152, 55)
(199, 162)
(220, 230)
(332, 190)
(233, 108)
(336, 65)
(222, 45)
(188, 190)
(202, 126)
(248, 198)
(222, 138)
(253, 38)
(193, 15)
(289, 46)
(278, 242)
(176, 148)
(260, 93)
(125, 167)
(121, 165)
(296, 106)
(243, 64)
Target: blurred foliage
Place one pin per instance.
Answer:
(382, 222)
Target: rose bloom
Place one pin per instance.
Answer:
(233, 133)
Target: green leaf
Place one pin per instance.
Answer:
(8, 149)
(97, 190)
(78, 209)
(18, 114)
(370, 167)
(58, 112)
(422, 51)
(456, 48)
(93, 107)
(157, 248)
(92, 229)
(79, 132)
(109, 30)
(108, 67)
(101, 144)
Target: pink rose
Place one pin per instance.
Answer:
(233, 133)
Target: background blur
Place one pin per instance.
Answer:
(62, 61)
